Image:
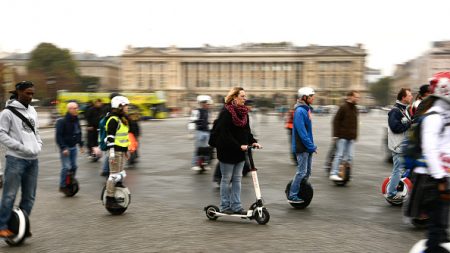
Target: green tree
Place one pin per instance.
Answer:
(51, 69)
(381, 90)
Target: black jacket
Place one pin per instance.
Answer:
(202, 123)
(93, 116)
(68, 132)
(230, 139)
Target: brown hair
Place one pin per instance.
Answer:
(232, 94)
(402, 93)
(352, 93)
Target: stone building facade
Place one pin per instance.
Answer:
(270, 70)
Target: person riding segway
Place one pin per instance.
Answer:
(299, 191)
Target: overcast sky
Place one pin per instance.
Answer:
(392, 31)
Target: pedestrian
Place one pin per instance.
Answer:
(68, 135)
(435, 136)
(200, 117)
(399, 122)
(234, 137)
(117, 141)
(93, 116)
(424, 91)
(302, 141)
(345, 132)
(288, 125)
(19, 133)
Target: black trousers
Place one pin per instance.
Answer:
(437, 229)
(92, 139)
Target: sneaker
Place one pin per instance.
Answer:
(28, 234)
(195, 168)
(227, 211)
(5, 233)
(241, 212)
(207, 167)
(395, 197)
(63, 190)
(104, 174)
(296, 200)
(336, 178)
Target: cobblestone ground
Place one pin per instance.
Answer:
(166, 211)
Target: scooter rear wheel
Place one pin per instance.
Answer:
(211, 212)
(262, 218)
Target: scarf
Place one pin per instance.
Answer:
(238, 114)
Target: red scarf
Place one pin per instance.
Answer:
(238, 114)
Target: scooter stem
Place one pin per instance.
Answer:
(256, 184)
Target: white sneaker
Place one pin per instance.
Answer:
(207, 168)
(196, 168)
(336, 178)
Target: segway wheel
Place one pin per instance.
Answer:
(211, 211)
(123, 198)
(262, 218)
(306, 193)
(420, 223)
(19, 224)
(72, 188)
(404, 188)
(344, 173)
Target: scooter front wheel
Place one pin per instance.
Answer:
(211, 212)
(262, 218)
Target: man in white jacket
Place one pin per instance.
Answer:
(23, 143)
(435, 136)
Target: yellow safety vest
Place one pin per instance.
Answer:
(121, 138)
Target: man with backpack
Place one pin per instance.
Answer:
(102, 135)
(399, 122)
(19, 133)
(433, 178)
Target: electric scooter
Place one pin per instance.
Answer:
(404, 188)
(306, 193)
(204, 157)
(420, 246)
(345, 169)
(122, 195)
(19, 224)
(257, 211)
(72, 186)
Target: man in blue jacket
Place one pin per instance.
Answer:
(302, 141)
(68, 135)
(399, 121)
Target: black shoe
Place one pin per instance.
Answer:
(28, 234)
(241, 212)
(104, 174)
(111, 203)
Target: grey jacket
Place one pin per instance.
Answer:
(15, 134)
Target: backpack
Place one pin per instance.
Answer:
(412, 144)
(102, 132)
(215, 131)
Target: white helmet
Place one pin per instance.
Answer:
(118, 101)
(204, 98)
(440, 85)
(305, 91)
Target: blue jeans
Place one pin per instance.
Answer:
(396, 173)
(201, 140)
(68, 163)
(303, 171)
(231, 173)
(344, 150)
(18, 173)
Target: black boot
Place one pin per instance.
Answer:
(111, 203)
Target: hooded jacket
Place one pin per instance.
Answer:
(15, 134)
(302, 136)
(399, 121)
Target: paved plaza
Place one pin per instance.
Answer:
(166, 210)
